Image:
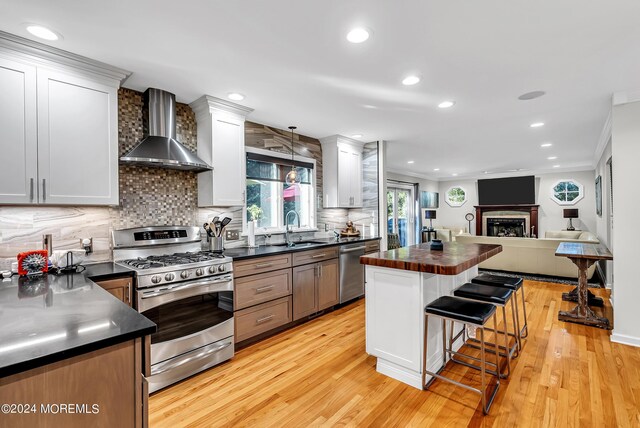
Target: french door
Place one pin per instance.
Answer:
(400, 213)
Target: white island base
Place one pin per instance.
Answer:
(395, 302)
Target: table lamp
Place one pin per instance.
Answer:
(430, 215)
(570, 213)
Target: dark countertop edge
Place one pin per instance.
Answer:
(55, 357)
(106, 270)
(371, 260)
(286, 250)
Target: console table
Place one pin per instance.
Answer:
(583, 255)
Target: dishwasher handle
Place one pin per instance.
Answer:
(352, 249)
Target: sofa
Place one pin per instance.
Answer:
(446, 233)
(531, 255)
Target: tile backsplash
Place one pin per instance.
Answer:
(153, 196)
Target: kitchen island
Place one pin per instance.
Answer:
(399, 284)
(71, 354)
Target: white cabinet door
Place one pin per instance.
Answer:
(18, 136)
(344, 177)
(356, 179)
(228, 161)
(77, 140)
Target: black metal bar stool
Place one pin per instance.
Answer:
(470, 313)
(499, 297)
(514, 283)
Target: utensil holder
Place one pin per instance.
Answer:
(216, 244)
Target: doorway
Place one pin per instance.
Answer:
(400, 213)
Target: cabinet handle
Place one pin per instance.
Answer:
(319, 270)
(264, 289)
(264, 319)
(31, 190)
(128, 295)
(263, 265)
(317, 256)
(44, 190)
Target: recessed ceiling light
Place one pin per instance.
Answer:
(546, 145)
(446, 104)
(410, 161)
(537, 124)
(43, 32)
(235, 96)
(531, 95)
(356, 136)
(455, 174)
(556, 166)
(436, 169)
(410, 80)
(358, 35)
(552, 157)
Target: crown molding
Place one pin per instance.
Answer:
(605, 136)
(42, 54)
(535, 172)
(412, 174)
(625, 97)
(342, 139)
(207, 104)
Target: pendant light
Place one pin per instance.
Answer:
(292, 175)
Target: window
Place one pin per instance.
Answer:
(269, 198)
(456, 196)
(567, 192)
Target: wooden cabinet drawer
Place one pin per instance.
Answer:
(371, 246)
(312, 256)
(255, 289)
(261, 318)
(261, 264)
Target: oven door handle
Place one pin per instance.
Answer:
(170, 365)
(150, 299)
(173, 289)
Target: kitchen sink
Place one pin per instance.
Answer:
(300, 244)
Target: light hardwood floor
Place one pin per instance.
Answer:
(318, 374)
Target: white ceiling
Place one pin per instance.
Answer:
(292, 61)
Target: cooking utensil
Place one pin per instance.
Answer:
(225, 221)
(216, 218)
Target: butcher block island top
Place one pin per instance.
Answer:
(452, 260)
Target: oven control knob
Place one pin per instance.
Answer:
(156, 279)
(185, 274)
(199, 272)
(221, 268)
(169, 277)
(212, 269)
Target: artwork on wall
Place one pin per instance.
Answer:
(429, 200)
(599, 196)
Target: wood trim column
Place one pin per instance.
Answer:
(478, 221)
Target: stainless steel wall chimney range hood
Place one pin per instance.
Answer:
(160, 148)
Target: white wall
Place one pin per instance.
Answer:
(424, 184)
(625, 149)
(549, 214)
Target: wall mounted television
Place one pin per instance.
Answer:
(507, 191)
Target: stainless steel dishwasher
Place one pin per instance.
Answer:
(351, 272)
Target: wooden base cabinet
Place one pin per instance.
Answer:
(119, 287)
(315, 287)
(103, 388)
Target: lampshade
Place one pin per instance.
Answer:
(429, 214)
(570, 213)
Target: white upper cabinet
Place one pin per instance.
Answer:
(341, 172)
(18, 136)
(221, 145)
(58, 125)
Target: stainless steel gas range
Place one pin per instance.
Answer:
(187, 292)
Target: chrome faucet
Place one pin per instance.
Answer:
(288, 228)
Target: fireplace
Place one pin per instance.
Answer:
(513, 227)
(528, 211)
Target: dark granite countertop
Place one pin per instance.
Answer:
(52, 318)
(454, 259)
(241, 253)
(106, 270)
